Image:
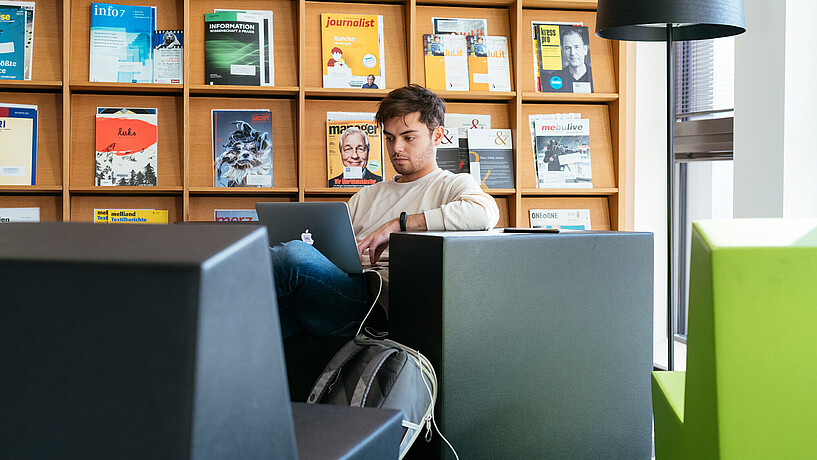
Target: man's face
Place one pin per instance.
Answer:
(412, 148)
(336, 56)
(370, 79)
(353, 151)
(574, 49)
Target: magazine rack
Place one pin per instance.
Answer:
(67, 103)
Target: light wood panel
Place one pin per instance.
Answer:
(169, 14)
(284, 139)
(598, 206)
(49, 133)
(284, 27)
(601, 148)
(47, 31)
(82, 206)
(498, 24)
(50, 205)
(504, 216)
(601, 52)
(202, 209)
(394, 37)
(83, 121)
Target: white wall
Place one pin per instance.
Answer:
(800, 191)
(759, 110)
(775, 117)
(650, 206)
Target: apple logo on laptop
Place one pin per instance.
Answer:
(306, 237)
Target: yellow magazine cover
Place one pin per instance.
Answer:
(354, 153)
(352, 51)
(446, 62)
(549, 49)
(477, 63)
(563, 52)
(130, 216)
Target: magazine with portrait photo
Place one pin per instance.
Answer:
(562, 52)
(354, 150)
(352, 50)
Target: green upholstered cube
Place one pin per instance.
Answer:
(748, 391)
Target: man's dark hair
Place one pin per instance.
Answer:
(409, 99)
(574, 31)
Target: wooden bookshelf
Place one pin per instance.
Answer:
(67, 102)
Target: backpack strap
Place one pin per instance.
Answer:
(331, 371)
(364, 382)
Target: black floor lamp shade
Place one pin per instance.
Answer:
(646, 20)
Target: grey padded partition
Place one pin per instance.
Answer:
(542, 342)
(327, 432)
(140, 342)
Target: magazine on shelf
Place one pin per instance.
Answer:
(130, 216)
(461, 123)
(562, 57)
(28, 8)
(12, 215)
(18, 144)
(233, 49)
(459, 26)
(126, 146)
(532, 118)
(488, 65)
(562, 219)
(349, 162)
(121, 43)
(12, 43)
(535, 48)
(267, 37)
(352, 49)
(235, 215)
(242, 148)
(446, 62)
(448, 152)
(563, 154)
(168, 56)
(491, 155)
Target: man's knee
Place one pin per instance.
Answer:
(291, 253)
(290, 261)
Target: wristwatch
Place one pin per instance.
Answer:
(403, 221)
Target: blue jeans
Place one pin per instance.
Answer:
(314, 295)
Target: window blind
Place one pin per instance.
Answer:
(705, 77)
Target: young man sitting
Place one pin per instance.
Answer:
(317, 297)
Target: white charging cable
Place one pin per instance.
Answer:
(376, 298)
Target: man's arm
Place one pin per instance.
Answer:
(378, 240)
(468, 207)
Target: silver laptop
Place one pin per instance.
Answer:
(325, 225)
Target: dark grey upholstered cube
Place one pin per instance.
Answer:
(151, 342)
(542, 342)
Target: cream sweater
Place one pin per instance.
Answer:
(449, 202)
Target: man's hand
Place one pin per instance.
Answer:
(378, 240)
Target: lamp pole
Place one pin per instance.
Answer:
(670, 201)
